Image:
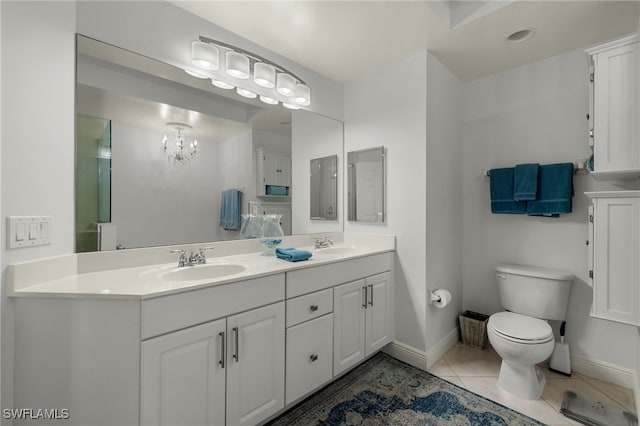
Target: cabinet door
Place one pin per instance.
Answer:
(379, 330)
(616, 282)
(616, 109)
(309, 356)
(183, 378)
(284, 171)
(271, 167)
(349, 306)
(255, 373)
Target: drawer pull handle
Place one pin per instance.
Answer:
(236, 355)
(223, 351)
(313, 308)
(313, 357)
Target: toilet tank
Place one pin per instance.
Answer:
(533, 291)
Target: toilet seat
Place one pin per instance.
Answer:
(519, 328)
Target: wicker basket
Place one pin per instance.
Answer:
(473, 328)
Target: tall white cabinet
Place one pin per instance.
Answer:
(615, 108)
(614, 253)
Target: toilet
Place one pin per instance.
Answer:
(521, 335)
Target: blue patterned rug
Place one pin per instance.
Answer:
(385, 391)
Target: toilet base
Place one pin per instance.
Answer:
(523, 381)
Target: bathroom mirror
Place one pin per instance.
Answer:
(130, 186)
(366, 180)
(324, 188)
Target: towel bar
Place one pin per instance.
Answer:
(577, 166)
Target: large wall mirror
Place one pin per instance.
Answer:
(324, 188)
(135, 187)
(366, 181)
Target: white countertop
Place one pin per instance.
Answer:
(79, 276)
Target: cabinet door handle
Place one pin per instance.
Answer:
(223, 350)
(313, 357)
(236, 355)
(313, 308)
(370, 294)
(364, 303)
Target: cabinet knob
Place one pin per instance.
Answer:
(313, 357)
(313, 308)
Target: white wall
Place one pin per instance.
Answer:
(313, 136)
(534, 113)
(37, 135)
(444, 197)
(381, 112)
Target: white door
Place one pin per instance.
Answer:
(183, 377)
(379, 317)
(349, 307)
(255, 359)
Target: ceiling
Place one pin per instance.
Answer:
(344, 40)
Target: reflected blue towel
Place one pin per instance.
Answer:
(231, 209)
(292, 254)
(525, 182)
(276, 190)
(555, 183)
(501, 186)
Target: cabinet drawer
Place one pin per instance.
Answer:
(308, 280)
(309, 357)
(176, 311)
(309, 306)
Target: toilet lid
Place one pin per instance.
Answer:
(520, 328)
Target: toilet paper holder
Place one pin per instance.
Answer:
(436, 297)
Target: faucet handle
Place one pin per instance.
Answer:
(183, 256)
(181, 251)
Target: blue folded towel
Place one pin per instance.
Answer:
(292, 254)
(276, 190)
(555, 183)
(231, 209)
(501, 187)
(525, 182)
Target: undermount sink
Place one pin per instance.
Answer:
(202, 272)
(337, 250)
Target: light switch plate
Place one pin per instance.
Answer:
(28, 231)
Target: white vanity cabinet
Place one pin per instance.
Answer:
(362, 323)
(362, 305)
(614, 250)
(186, 374)
(615, 108)
(272, 170)
(183, 377)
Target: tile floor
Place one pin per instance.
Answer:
(477, 370)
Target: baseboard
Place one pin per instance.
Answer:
(406, 353)
(636, 391)
(418, 358)
(606, 372)
(441, 348)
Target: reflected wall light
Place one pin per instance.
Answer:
(251, 75)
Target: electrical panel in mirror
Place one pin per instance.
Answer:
(366, 182)
(324, 188)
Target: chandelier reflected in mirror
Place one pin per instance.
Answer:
(183, 151)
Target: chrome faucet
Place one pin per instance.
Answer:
(322, 242)
(198, 258)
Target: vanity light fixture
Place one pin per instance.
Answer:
(251, 75)
(182, 152)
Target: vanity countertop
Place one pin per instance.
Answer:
(69, 275)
